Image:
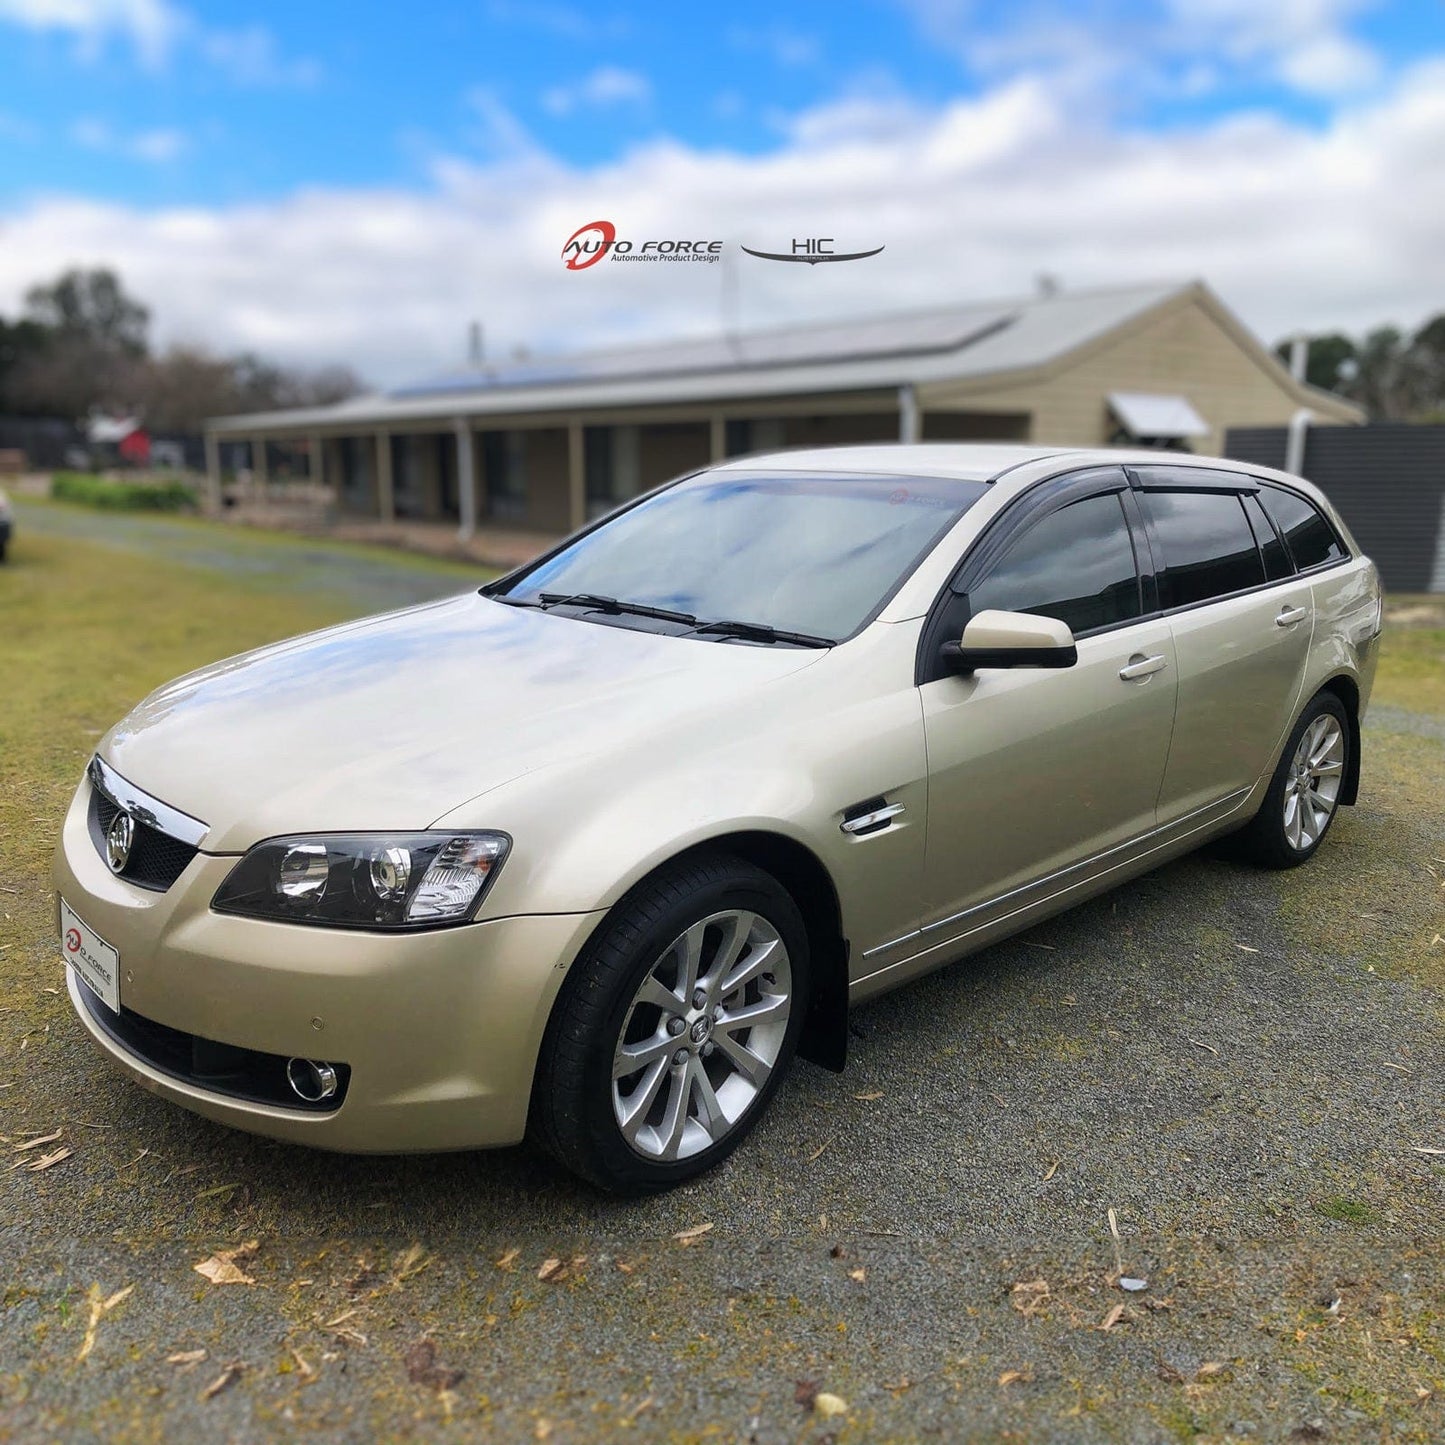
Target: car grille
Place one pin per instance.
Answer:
(245, 1074)
(156, 859)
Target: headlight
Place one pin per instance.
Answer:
(365, 880)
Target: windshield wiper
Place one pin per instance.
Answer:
(761, 632)
(613, 606)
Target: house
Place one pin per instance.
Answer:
(544, 446)
(118, 439)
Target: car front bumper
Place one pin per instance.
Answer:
(440, 1030)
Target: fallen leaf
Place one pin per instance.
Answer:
(222, 1267)
(212, 1193)
(869, 1097)
(308, 1370)
(626, 1266)
(422, 1367)
(223, 1381)
(1209, 1369)
(828, 1405)
(1245, 948)
(818, 1152)
(1420, 1149)
(1052, 1170)
(556, 1271)
(509, 1258)
(412, 1262)
(542, 1430)
(187, 1359)
(691, 1236)
(1210, 1047)
(858, 1275)
(1114, 1317)
(805, 1392)
(46, 1160)
(1029, 1296)
(100, 1306)
(36, 1143)
(1012, 1377)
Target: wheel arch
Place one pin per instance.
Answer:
(1347, 690)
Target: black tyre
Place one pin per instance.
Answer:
(1304, 793)
(675, 1027)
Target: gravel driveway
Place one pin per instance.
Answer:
(1244, 1067)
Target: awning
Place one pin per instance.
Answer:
(1150, 414)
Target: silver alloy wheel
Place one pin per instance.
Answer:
(702, 1035)
(1313, 787)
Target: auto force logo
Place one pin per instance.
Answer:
(72, 940)
(598, 241)
(588, 244)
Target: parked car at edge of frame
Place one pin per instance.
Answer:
(591, 853)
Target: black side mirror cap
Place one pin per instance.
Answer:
(963, 661)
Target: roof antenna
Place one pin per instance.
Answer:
(474, 344)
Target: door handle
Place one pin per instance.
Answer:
(873, 821)
(1290, 615)
(1141, 666)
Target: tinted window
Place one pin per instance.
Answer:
(1208, 547)
(1077, 564)
(1276, 559)
(805, 551)
(1311, 539)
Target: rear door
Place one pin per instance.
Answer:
(1033, 771)
(1241, 623)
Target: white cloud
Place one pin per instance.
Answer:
(781, 44)
(250, 56)
(1163, 45)
(1330, 65)
(1296, 226)
(151, 26)
(157, 30)
(153, 146)
(608, 85)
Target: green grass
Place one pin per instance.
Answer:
(112, 496)
(1346, 1211)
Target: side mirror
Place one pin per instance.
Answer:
(1011, 639)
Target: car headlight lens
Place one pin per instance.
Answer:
(364, 880)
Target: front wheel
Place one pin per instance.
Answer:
(675, 1027)
(1304, 793)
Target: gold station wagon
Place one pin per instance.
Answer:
(591, 853)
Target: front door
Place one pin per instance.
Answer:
(1034, 771)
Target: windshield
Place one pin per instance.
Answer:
(805, 553)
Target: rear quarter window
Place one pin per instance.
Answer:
(1312, 541)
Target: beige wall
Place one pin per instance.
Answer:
(1183, 350)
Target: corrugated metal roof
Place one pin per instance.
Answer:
(939, 344)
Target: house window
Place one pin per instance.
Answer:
(767, 434)
(504, 460)
(611, 462)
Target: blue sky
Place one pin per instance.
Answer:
(207, 143)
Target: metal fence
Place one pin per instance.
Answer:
(1388, 481)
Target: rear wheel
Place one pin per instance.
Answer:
(1304, 793)
(675, 1027)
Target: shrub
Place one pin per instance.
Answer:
(122, 496)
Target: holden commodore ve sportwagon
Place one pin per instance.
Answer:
(591, 853)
